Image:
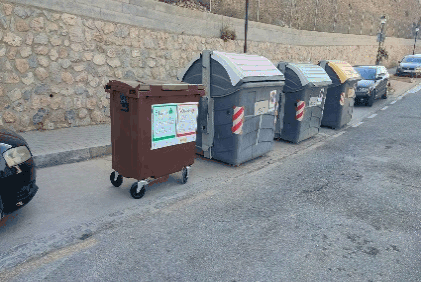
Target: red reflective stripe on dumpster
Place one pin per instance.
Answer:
(236, 127)
(237, 120)
(342, 99)
(237, 113)
(185, 134)
(299, 110)
(300, 106)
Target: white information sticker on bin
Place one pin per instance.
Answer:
(187, 122)
(315, 101)
(173, 124)
(261, 107)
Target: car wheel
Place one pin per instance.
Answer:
(370, 101)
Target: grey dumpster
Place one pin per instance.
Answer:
(305, 88)
(236, 121)
(339, 104)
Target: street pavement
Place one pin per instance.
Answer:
(255, 222)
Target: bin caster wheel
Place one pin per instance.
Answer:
(185, 175)
(135, 193)
(116, 181)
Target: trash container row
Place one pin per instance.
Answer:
(228, 107)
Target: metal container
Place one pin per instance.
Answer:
(339, 104)
(237, 117)
(153, 130)
(305, 91)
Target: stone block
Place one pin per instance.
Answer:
(68, 19)
(67, 77)
(22, 12)
(56, 40)
(41, 73)
(22, 26)
(41, 38)
(12, 39)
(53, 54)
(37, 24)
(41, 50)
(11, 78)
(76, 34)
(7, 8)
(10, 117)
(99, 59)
(25, 51)
(14, 94)
(11, 55)
(42, 89)
(43, 61)
(28, 78)
(29, 38)
(50, 26)
(22, 65)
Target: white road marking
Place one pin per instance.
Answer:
(339, 134)
(373, 115)
(400, 98)
(393, 102)
(358, 124)
(35, 263)
(385, 108)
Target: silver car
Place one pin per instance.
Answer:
(410, 65)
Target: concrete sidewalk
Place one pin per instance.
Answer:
(75, 144)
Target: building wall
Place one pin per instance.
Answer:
(56, 56)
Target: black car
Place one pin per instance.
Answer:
(373, 84)
(17, 172)
(410, 65)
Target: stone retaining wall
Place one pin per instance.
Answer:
(53, 65)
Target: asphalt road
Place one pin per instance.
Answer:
(344, 210)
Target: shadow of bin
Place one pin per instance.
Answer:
(153, 130)
(304, 91)
(339, 104)
(237, 117)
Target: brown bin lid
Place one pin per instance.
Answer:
(145, 85)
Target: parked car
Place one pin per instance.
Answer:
(17, 172)
(373, 84)
(410, 65)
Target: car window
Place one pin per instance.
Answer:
(411, 60)
(366, 73)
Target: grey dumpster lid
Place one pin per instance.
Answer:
(241, 66)
(308, 73)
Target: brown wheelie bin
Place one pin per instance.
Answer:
(153, 130)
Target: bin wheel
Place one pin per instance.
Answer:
(116, 182)
(370, 101)
(134, 193)
(185, 175)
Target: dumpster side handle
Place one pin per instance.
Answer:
(208, 132)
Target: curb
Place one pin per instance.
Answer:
(74, 156)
